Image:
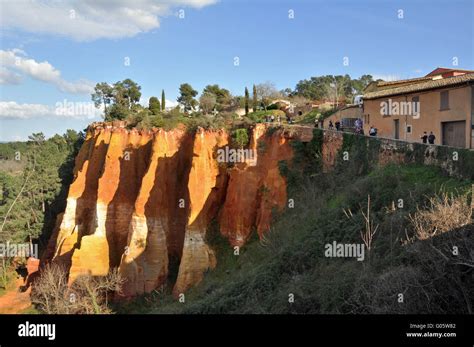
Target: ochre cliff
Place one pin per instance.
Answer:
(142, 201)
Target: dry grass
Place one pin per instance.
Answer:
(444, 213)
(87, 295)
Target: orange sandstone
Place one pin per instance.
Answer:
(143, 200)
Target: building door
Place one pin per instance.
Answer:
(454, 133)
(396, 126)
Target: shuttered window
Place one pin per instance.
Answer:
(444, 100)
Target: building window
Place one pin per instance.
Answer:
(444, 100)
(408, 129)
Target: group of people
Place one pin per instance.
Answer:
(359, 129)
(271, 118)
(337, 124)
(428, 138)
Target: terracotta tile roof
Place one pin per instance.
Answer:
(411, 88)
(441, 70)
(410, 80)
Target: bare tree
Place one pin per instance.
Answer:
(207, 102)
(367, 234)
(266, 92)
(87, 295)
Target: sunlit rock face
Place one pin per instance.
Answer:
(254, 191)
(143, 201)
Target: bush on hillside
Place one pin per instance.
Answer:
(87, 295)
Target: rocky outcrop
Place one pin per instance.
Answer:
(254, 191)
(332, 143)
(207, 182)
(142, 201)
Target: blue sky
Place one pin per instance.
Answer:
(62, 57)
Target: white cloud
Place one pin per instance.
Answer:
(62, 109)
(9, 77)
(88, 20)
(169, 104)
(10, 109)
(16, 59)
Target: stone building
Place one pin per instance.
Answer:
(441, 102)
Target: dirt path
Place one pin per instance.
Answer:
(14, 301)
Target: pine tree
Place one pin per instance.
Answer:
(254, 101)
(246, 101)
(163, 101)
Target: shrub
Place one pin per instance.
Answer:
(259, 116)
(87, 295)
(241, 137)
(445, 213)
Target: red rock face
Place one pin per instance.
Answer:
(254, 191)
(142, 199)
(332, 143)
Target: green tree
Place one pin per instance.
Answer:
(123, 98)
(117, 111)
(222, 95)
(103, 95)
(154, 105)
(241, 137)
(361, 83)
(246, 101)
(254, 99)
(127, 93)
(163, 100)
(331, 87)
(187, 97)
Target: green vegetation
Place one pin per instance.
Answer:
(187, 97)
(34, 178)
(330, 87)
(240, 137)
(254, 98)
(246, 101)
(118, 100)
(223, 98)
(291, 258)
(259, 116)
(333, 207)
(154, 106)
(163, 100)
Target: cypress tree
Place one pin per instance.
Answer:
(163, 100)
(254, 101)
(246, 101)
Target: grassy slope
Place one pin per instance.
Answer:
(291, 258)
